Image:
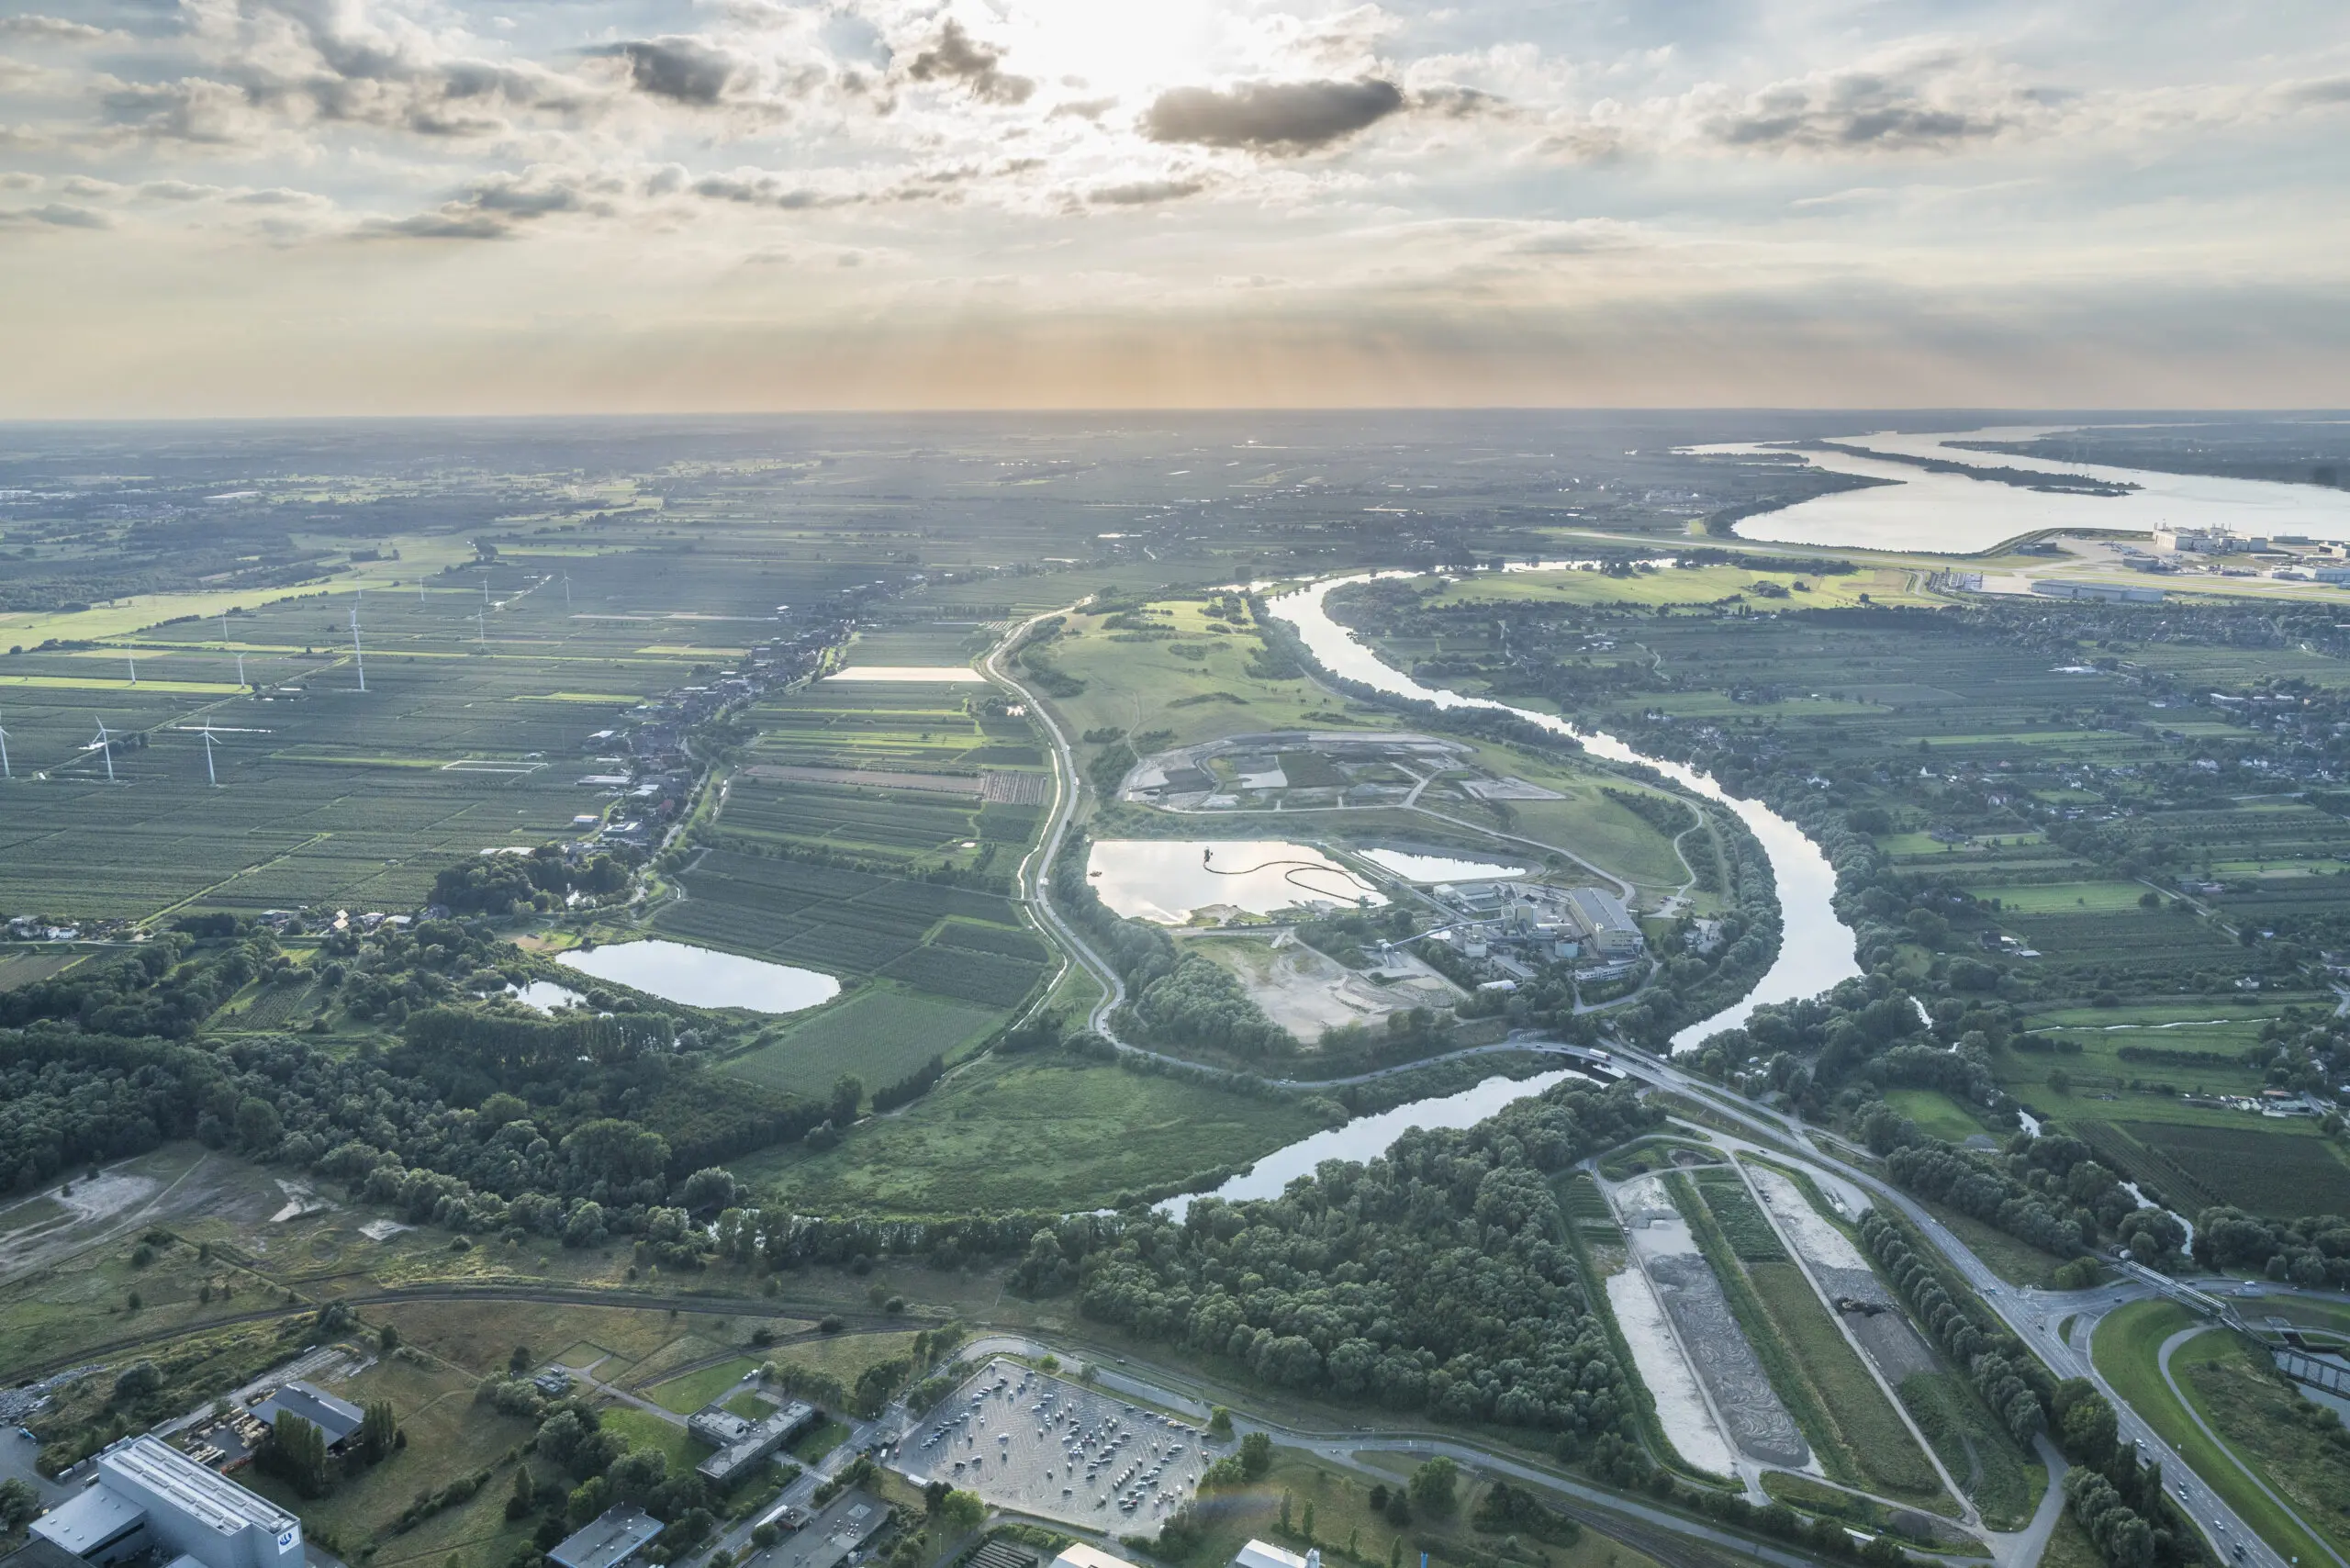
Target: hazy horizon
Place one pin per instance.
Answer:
(288, 208)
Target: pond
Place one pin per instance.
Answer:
(1955, 513)
(1415, 867)
(1166, 879)
(703, 976)
(544, 995)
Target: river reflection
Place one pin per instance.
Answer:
(1815, 947)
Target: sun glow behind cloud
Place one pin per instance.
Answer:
(275, 206)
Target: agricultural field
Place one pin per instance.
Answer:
(1025, 1133)
(880, 1034)
(1936, 1114)
(857, 924)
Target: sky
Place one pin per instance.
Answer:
(228, 207)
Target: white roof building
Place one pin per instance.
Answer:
(150, 1496)
(1265, 1554)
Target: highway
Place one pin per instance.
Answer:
(2034, 1317)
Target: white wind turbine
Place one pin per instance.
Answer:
(134, 668)
(104, 743)
(241, 672)
(357, 652)
(209, 775)
(3, 756)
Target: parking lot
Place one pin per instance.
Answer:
(1045, 1446)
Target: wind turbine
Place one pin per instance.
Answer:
(104, 743)
(3, 756)
(134, 668)
(224, 625)
(567, 590)
(481, 628)
(357, 652)
(209, 776)
(240, 671)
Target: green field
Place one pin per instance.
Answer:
(2126, 1347)
(2298, 1446)
(1028, 1134)
(689, 1393)
(644, 1429)
(1936, 1114)
(881, 1033)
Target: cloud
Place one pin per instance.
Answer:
(1272, 117)
(88, 189)
(18, 180)
(2330, 90)
(762, 190)
(178, 190)
(56, 215)
(1145, 193)
(682, 70)
(496, 207)
(1455, 102)
(956, 58)
(1082, 108)
(53, 29)
(1935, 103)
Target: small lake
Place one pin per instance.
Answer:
(703, 976)
(1951, 513)
(546, 995)
(1165, 880)
(1367, 1138)
(1439, 868)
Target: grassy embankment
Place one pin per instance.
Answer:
(2125, 1350)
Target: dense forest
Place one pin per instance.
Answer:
(1436, 1278)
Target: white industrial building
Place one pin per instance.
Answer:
(150, 1498)
(1265, 1554)
(1607, 926)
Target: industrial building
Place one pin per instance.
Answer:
(740, 1443)
(1607, 926)
(1265, 1554)
(336, 1419)
(614, 1537)
(150, 1498)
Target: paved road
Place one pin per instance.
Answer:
(2162, 1363)
(1037, 869)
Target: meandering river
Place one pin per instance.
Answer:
(1815, 947)
(1816, 950)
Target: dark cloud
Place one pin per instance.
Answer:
(496, 208)
(177, 190)
(762, 189)
(1272, 117)
(1460, 102)
(2333, 90)
(682, 70)
(1143, 193)
(1083, 108)
(56, 215)
(1864, 111)
(51, 29)
(956, 58)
